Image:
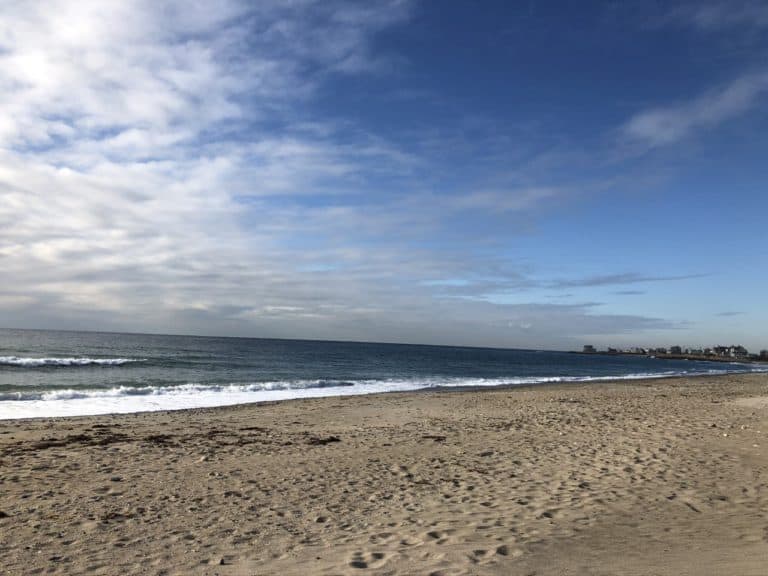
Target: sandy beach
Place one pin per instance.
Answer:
(644, 477)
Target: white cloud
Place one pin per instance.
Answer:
(76, 70)
(120, 141)
(162, 72)
(666, 125)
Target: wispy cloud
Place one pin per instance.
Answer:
(720, 15)
(659, 126)
(539, 318)
(618, 279)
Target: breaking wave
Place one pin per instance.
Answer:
(179, 390)
(25, 362)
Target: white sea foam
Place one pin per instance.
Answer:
(26, 362)
(126, 399)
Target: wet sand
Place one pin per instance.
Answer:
(636, 478)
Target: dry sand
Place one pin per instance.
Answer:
(648, 477)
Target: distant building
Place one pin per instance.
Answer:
(763, 354)
(739, 351)
(734, 351)
(731, 351)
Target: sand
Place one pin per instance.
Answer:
(646, 477)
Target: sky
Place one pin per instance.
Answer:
(512, 174)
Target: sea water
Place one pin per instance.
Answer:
(57, 373)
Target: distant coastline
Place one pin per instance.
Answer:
(668, 356)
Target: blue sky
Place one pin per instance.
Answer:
(522, 174)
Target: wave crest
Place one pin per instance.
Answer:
(184, 389)
(28, 362)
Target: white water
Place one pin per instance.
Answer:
(25, 362)
(121, 400)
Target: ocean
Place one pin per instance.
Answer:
(58, 373)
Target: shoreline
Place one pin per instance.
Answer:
(587, 380)
(666, 474)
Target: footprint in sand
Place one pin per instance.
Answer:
(505, 550)
(483, 556)
(363, 560)
(440, 536)
(382, 537)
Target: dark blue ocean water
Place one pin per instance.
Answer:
(47, 373)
